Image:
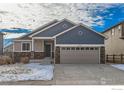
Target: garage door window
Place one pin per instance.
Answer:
(87, 48)
(77, 48)
(91, 48)
(72, 48)
(68, 48)
(82, 48)
(96, 48)
(63, 48)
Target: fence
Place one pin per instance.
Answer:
(118, 59)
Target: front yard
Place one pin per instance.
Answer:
(21, 72)
(64, 74)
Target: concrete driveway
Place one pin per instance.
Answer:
(88, 74)
(80, 74)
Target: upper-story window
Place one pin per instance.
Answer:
(119, 27)
(25, 46)
(113, 31)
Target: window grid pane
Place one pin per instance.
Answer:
(26, 46)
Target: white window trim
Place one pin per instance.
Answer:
(32, 44)
(42, 38)
(13, 46)
(113, 32)
(22, 40)
(119, 27)
(99, 55)
(25, 50)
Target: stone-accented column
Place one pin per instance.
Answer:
(32, 54)
(39, 55)
(102, 55)
(18, 55)
(57, 55)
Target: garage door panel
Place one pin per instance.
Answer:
(79, 56)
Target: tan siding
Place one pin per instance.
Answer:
(17, 45)
(114, 45)
(38, 45)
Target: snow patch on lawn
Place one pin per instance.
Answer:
(31, 71)
(119, 66)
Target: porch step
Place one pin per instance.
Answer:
(46, 60)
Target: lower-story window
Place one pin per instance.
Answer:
(25, 46)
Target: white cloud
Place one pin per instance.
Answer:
(13, 35)
(34, 15)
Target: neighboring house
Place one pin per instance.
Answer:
(64, 41)
(1, 43)
(114, 43)
(8, 48)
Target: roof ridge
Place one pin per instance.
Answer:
(53, 25)
(37, 29)
(80, 24)
(91, 29)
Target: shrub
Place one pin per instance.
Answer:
(5, 60)
(24, 60)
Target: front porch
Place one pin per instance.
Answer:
(39, 49)
(44, 47)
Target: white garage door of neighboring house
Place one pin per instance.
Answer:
(79, 55)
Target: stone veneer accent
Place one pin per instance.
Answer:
(31, 55)
(18, 55)
(102, 55)
(39, 55)
(57, 55)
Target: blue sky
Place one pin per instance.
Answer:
(111, 16)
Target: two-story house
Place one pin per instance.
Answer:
(114, 43)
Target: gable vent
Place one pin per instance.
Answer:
(65, 26)
(80, 33)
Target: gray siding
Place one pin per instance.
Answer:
(1, 44)
(62, 26)
(80, 35)
(39, 28)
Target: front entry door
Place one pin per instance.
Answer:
(48, 50)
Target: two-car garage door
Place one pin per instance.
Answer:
(79, 55)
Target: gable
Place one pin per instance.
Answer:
(38, 29)
(56, 29)
(80, 35)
